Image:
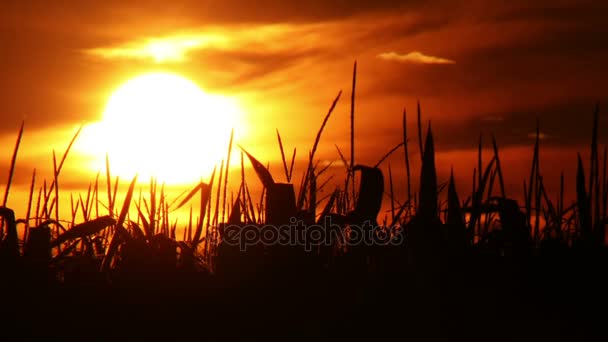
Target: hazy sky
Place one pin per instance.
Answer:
(476, 66)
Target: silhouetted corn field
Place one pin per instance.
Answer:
(478, 265)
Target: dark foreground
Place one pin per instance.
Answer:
(553, 294)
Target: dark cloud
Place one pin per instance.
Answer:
(552, 11)
(561, 125)
(200, 11)
(501, 69)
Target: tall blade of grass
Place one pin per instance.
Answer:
(419, 124)
(584, 213)
(352, 119)
(346, 166)
(115, 191)
(261, 207)
(126, 203)
(144, 221)
(226, 176)
(537, 204)
(218, 194)
(56, 182)
(30, 197)
(479, 161)
(283, 156)
(293, 159)
(11, 171)
(561, 197)
(593, 153)
(407, 157)
(67, 150)
(243, 185)
(29, 205)
(324, 184)
(74, 209)
(112, 248)
(533, 172)
(391, 191)
(96, 193)
(161, 209)
(304, 188)
(191, 194)
(454, 215)
(86, 203)
(251, 207)
(594, 184)
(38, 203)
(63, 159)
(109, 185)
(45, 209)
(168, 228)
(188, 233)
(325, 168)
(320, 131)
(329, 205)
(488, 215)
(498, 168)
(312, 192)
(203, 209)
(428, 181)
(119, 231)
(152, 216)
(476, 199)
(351, 173)
(604, 185)
(555, 218)
(388, 154)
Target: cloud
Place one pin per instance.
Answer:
(168, 49)
(414, 57)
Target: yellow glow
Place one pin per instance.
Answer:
(165, 126)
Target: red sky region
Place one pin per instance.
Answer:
(476, 67)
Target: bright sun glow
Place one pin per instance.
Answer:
(165, 126)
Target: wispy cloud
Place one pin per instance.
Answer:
(414, 57)
(169, 49)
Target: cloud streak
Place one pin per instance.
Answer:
(415, 57)
(170, 49)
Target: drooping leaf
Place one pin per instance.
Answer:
(200, 187)
(260, 170)
(84, 229)
(371, 189)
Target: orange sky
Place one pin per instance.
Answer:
(475, 67)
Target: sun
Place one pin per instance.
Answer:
(163, 125)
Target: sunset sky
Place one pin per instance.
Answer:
(475, 66)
